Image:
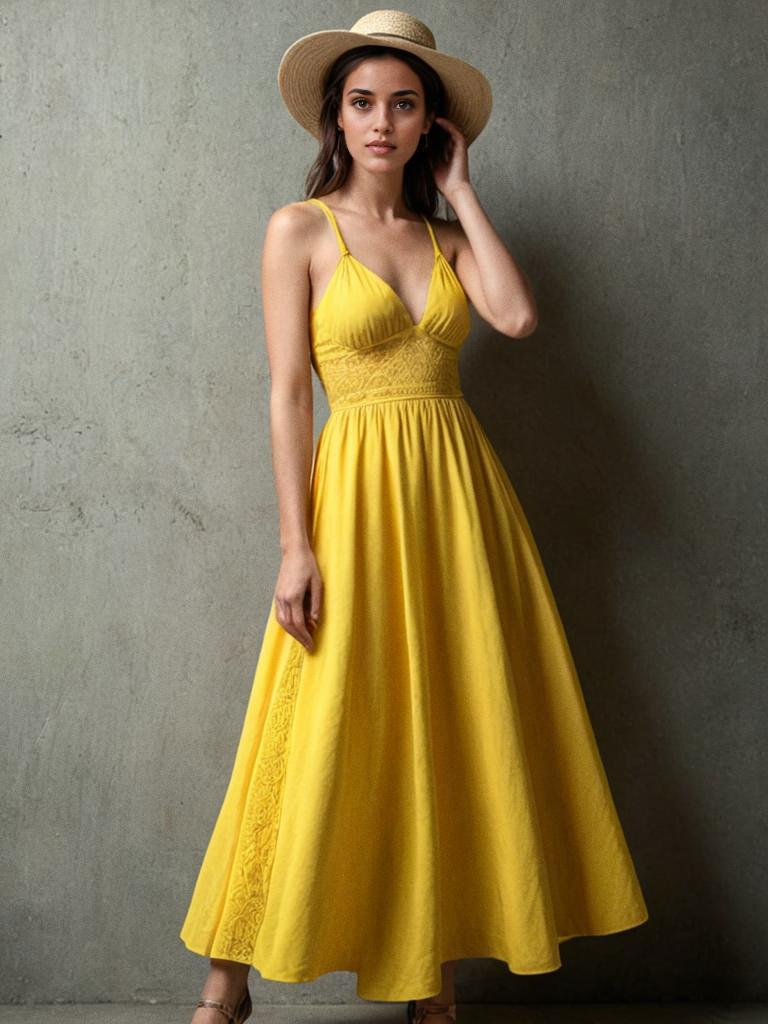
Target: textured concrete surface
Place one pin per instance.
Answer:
(596, 1014)
(143, 147)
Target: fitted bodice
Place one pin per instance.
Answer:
(365, 345)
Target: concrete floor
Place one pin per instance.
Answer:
(376, 1013)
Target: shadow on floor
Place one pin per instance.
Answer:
(380, 1013)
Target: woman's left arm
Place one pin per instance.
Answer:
(495, 283)
(497, 287)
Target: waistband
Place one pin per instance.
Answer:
(411, 396)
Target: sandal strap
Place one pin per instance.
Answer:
(431, 1009)
(224, 1008)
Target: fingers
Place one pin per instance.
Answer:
(315, 598)
(314, 595)
(451, 128)
(299, 614)
(290, 614)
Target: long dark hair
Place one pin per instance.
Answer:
(333, 161)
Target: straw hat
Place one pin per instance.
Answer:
(304, 65)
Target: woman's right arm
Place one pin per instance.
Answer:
(285, 285)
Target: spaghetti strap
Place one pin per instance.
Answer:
(342, 244)
(432, 235)
(329, 214)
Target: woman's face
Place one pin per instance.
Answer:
(383, 99)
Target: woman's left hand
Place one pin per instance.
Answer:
(454, 172)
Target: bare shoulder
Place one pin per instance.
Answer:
(285, 280)
(450, 235)
(291, 237)
(288, 224)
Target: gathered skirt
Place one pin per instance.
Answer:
(425, 785)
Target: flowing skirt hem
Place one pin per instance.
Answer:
(416, 988)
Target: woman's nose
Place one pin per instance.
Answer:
(383, 119)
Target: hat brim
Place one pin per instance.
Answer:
(304, 65)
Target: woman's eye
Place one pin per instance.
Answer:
(361, 99)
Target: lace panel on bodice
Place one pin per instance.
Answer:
(411, 364)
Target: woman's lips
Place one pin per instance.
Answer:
(380, 148)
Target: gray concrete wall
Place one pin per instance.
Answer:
(143, 147)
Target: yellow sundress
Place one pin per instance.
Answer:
(425, 785)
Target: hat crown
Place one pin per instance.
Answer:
(395, 23)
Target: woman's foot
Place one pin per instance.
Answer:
(429, 1011)
(441, 1008)
(226, 983)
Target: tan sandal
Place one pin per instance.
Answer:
(243, 1011)
(416, 1014)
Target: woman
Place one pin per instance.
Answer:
(417, 779)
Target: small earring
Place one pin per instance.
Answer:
(425, 137)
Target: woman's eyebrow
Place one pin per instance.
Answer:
(370, 92)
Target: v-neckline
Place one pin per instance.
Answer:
(391, 290)
(346, 254)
